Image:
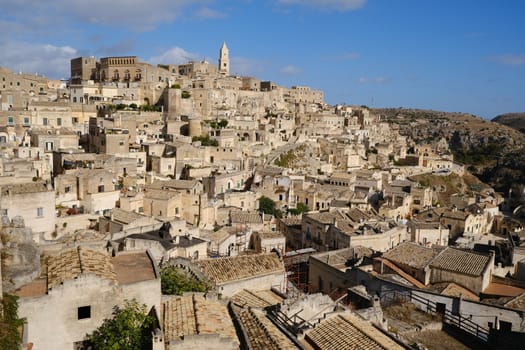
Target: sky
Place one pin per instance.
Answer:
(457, 56)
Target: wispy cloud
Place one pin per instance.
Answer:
(335, 5)
(53, 61)
(245, 66)
(291, 70)
(133, 15)
(378, 80)
(208, 13)
(175, 55)
(347, 56)
(510, 60)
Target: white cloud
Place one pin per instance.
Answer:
(175, 55)
(208, 13)
(510, 60)
(136, 15)
(52, 61)
(337, 5)
(244, 66)
(349, 56)
(378, 80)
(291, 70)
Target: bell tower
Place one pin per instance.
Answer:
(224, 60)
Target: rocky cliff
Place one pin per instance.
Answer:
(492, 151)
(20, 256)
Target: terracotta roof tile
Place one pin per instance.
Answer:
(223, 270)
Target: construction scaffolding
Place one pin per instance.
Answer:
(296, 272)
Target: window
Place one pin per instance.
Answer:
(67, 189)
(39, 212)
(59, 121)
(101, 188)
(84, 312)
(4, 212)
(49, 146)
(10, 120)
(45, 121)
(26, 121)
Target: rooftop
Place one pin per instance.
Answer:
(72, 263)
(28, 187)
(260, 332)
(256, 299)
(348, 332)
(411, 254)
(242, 217)
(223, 270)
(462, 261)
(193, 315)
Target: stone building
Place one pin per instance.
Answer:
(231, 275)
(197, 322)
(79, 291)
(224, 60)
(33, 201)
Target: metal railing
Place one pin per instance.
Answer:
(463, 323)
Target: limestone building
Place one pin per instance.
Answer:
(224, 60)
(79, 290)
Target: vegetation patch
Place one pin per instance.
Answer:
(176, 282)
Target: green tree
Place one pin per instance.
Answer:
(185, 94)
(129, 329)
(300, 208)
(176, 282)
(205, 140)
(10, 323)
(223, 123)
(267, 206)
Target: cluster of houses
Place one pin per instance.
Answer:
(128, 167)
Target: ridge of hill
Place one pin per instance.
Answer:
(492, 151)
(512, 120)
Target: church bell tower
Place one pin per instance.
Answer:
(224, 60)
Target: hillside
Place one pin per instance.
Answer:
(492, 151)
(446, 186)
(512, 120)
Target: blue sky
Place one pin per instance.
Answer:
(463, 55)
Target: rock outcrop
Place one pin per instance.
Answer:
(20, 256)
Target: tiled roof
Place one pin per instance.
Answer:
(257, 299)
(160, 194)
(465, 262)
(348, 332)
(223, 270)
(325, 217)
(260, 332)
(242, 217)
(70, 264)
(124, 216)
(455, 290)
(174, 184)
(290, 221)
(517, 302)
(270, 234)
(28, 187)
(194, 315)
(411, 254)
